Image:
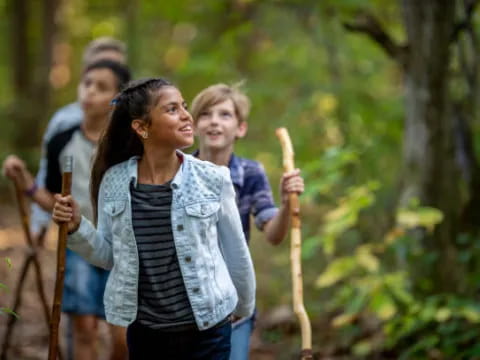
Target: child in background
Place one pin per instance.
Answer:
(220, 115)
(102, 48)
(84, 283)
(168, 227)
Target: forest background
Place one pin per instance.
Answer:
(380, 98)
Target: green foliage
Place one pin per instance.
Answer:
(365, 290)
(342, 100)
(4, 288)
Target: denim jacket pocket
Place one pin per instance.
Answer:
(202, 210)
(114, 207)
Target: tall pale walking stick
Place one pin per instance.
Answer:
(62, 247)
(296, 250)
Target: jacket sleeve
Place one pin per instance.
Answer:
(235, 250)
(95, 245)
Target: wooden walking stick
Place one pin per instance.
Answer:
(31, 257)
(296, 250)
(62, 246)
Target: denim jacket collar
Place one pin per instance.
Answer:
(133, 170)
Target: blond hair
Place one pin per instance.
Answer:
(218, 93)
(101, 44)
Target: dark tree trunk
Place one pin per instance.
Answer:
(429, 156)
(31, 69)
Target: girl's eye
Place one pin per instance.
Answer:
(225, 114)
(172, 109)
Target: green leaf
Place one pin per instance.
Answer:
(443, 314)
(9, 311)
(366, 259)
(337, 270)
(426, 217)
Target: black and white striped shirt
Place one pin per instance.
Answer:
(162, 298)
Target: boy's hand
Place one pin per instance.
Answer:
(66, 210)
(291, 182)
(14, 168)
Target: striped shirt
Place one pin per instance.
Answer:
(162, 298)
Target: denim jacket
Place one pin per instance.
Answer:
(212, 252)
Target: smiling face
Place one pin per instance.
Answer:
(171, 125)
(217, 127)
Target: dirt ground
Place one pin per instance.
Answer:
(29, 340)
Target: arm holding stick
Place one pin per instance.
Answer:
(296, 248)
(15, 168)
(62, 245)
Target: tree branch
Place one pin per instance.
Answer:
(366, 23)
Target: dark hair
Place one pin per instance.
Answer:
(121, 72)
(119, 141)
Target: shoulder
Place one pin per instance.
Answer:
(115, 179)
(251, 165)
(58, 141)
(248, 169)
(64, 118)
(117, 171)
(202, 168)
(68, 110)
(203, 178)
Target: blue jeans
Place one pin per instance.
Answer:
(84, 286)
(149, 344)
(241, 331)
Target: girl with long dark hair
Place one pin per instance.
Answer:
(168, 227)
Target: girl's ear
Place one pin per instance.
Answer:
(139, 126)
(241, 130)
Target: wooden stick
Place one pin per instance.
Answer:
(296, 249)
(31, 257)
(25, 219)
(62, 247)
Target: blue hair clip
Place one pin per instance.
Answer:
(114, 102)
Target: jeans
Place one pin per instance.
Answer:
(241, 332)
(149, 344)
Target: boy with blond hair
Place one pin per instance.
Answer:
(220, 115)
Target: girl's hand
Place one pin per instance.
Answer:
(66, 210)
(291, 182)
(14, 168)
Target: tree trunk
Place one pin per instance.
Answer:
(429, 157)
(31, 69)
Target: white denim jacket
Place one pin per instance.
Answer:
(212, 252)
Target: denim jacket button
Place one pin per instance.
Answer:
(196, 290)
(205, 323)
(180, 227)
(188, 259)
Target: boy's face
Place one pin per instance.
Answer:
(96, 90)
(217, 127)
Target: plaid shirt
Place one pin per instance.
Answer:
(254, 195)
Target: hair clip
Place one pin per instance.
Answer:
(114, 102)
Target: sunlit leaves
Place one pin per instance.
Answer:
(345, 215)
(336, 270)
(426, 217)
